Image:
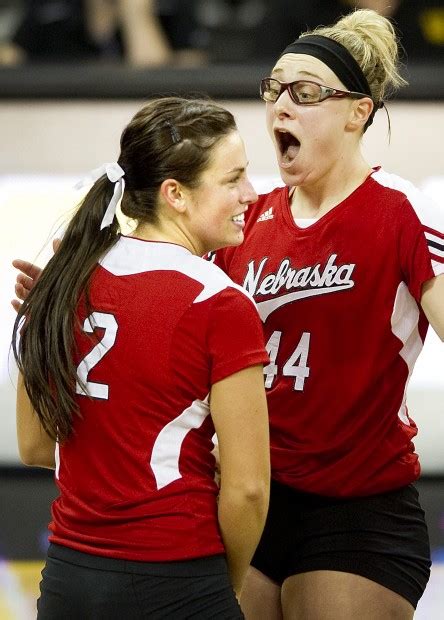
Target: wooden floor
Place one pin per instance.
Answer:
(19, 590)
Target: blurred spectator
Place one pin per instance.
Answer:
(135, 24)
(11, 14)
(257, 30)
(187, 32)
(74, 30)
(56, 31)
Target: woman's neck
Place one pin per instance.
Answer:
(166, 234)
(314, 201)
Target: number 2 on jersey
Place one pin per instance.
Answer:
(109, 324)
(295, 366)
(165, 456)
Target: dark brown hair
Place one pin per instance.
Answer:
(170, 137)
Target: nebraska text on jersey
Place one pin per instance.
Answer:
(310, 281)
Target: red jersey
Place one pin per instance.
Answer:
(136, 477)
(339, 301)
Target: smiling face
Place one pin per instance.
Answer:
(311, 141)
(215, 209)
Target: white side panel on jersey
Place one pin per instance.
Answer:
(166, 450)
(404, 321)
(130, 256)
(430, 213)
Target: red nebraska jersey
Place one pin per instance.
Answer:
(343, 327)
(136, 478)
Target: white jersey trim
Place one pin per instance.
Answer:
(430, 214)
(130, 256)
(166, 450)
(404, 322)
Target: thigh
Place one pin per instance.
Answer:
(261, 597)
(329, 595)
(382, 539)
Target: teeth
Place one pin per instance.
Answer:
(238, 218)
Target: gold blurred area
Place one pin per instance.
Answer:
(19, 589)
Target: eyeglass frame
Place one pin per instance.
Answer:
(326, 92)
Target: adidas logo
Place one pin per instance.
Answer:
(266, 215)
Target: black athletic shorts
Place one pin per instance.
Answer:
(382, 537)
(80, 586)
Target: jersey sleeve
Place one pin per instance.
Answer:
(421, 241)
(235, 335)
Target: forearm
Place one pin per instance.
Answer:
(241, 520)
(145, 40)
(36, 447)
(432, 302)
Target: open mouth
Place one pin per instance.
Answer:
(288, 145)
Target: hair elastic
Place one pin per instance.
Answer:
(115, 174)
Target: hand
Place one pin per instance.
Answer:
(28, 276)
(24, 281)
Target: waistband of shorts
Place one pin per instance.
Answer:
(195, 567)
(406, 491)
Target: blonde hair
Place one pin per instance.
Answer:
(371, 39)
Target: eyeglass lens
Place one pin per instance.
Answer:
(301, 91)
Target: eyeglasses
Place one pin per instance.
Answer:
(302, 92)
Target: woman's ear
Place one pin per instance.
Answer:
(173, 194)
(360, 111)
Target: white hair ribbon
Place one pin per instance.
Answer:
(115, 174)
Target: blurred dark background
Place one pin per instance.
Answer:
(134, 48)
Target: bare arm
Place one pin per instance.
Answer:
(35, 446)
(239, 411)
(432, 302)
(144, 37)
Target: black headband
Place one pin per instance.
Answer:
(338, 59)
(335, 56)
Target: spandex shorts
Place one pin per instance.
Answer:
(78, 586)
(381, 537)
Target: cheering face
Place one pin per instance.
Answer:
(310, 140)
(216, 208)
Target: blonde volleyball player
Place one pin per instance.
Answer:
(346, 266)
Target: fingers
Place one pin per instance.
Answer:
(32, 271)
(21, 292)
(16, 304)
(56, 244)
(25, 281)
